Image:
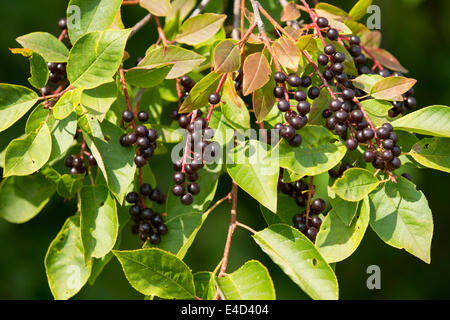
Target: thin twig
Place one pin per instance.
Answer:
(239, 224)
(138, 26)
(201, 6)
(236, 19)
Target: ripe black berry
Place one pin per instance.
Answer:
(341, 116)
(348, 94)
(355, 51)
(193, 188)
(155, 195)
(335, 105)
(288, 132)
(278, 92)
(162, 229)
(91, 160)
(187, 199)
(388, 144)
(127, 116)
(396, 151)
(387, 155)
(154, 238)
(183, 121)
(330, 49)
(132, 197)
(141, 131)
(356, 116)
(395, 163)
(135, 210)
(316, 222)
(178, 178)
(322, 22)
(143, 116)
(303, 107)
(62, 23)
(294, 80)
(300, 95)
(311, 233)
(351, 144)
(140, 161)
(333, 34)
(383, 133)
(143, 142)
(306, 81)
(280, 77)
(339, 57)
(313, 93)
(296, 141)
(355, 40)
(318, 205)
(368, 134)
(323, 59)
(214, 98)
(283, 105)
(370, 156)
(337, 68)
(187, 82)
(152, 135)
(146, 189)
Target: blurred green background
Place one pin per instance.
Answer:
(415, 31)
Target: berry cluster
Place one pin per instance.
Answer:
(145, 139)
(202, 150)
(295, 120)
(148, 224)
(76, 164)
(387, 153)
(299, 191)
(57, 71)
(199, 148)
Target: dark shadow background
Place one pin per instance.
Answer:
(415, 31)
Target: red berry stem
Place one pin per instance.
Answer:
(314, 21)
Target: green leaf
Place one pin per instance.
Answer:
(94, 16)
(66, 104)
(205, 286)
(68, 185)
(39, 71)
(365, 82)
(391, 88)
(433, 153)
(345, 210)
(26, 155)
(184, 60)
(286, 208)
(255, 171)
(22, 198)
(198, 96)
(15, 102)
(264, 101)
(200, 28)
(377, 111)
(300, 260)
(95, 58)
(319, 152)
(401, 217)
(97, 101)
(226, 56)
(143, 77)
(355, 184)
(99, 223)
(62, 131)
(66, 270)
(156, 272)
(46, 45)
(160, 8)
(184, 222)
(359, 10)
(115, 161)
(252, 281)
(337, 241)
(233, 107)
(433, 121)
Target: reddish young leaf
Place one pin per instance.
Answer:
(227, 57)
(290, 12)
(256, 72)
(387, 59)
(391, 88)
(287, 53)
